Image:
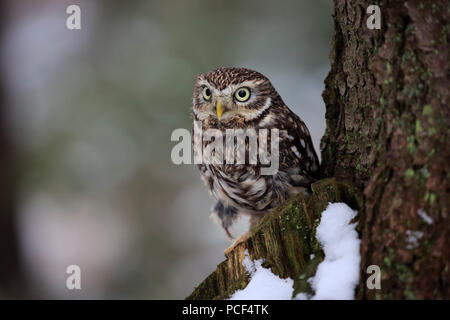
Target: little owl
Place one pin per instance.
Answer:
(238, 98)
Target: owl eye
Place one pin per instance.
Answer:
(242, 94)
(206, 93)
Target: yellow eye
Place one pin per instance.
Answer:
(242, 94)
(206, 93)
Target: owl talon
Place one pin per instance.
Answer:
(236, 243)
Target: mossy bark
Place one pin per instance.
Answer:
(388, 125)
(284, 239)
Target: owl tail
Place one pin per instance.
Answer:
(226, 214)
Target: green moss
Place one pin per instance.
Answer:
(409, 294)
(427, 110)
(418, 126)
(389, 258)
(301, 283)
(431, 131)
(409, 173)
(403, 272)
(432, 198)
(411, 144)
(433, 8)
(424, 173)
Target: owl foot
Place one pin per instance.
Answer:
(241, 239)
(226, 215)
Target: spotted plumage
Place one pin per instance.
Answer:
(238, 98)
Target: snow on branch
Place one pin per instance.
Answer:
(336, 276)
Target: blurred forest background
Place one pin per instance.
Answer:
(86, 118)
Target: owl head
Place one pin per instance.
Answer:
(228, 95)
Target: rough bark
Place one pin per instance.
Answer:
(388, 124)
(388, 130)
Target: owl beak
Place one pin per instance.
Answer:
(219, 109)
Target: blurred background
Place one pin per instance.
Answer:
(86, 116)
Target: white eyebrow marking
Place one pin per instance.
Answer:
(267, 120)
(231, 88)
(255, 114)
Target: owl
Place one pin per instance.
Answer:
(238, 98)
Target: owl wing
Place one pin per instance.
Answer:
(301, 148)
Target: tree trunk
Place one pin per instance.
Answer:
(388, 125)
(11, 276)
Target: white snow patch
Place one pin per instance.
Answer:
(337, 276)
(425, 216)
(264, 285)
(302, 296)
